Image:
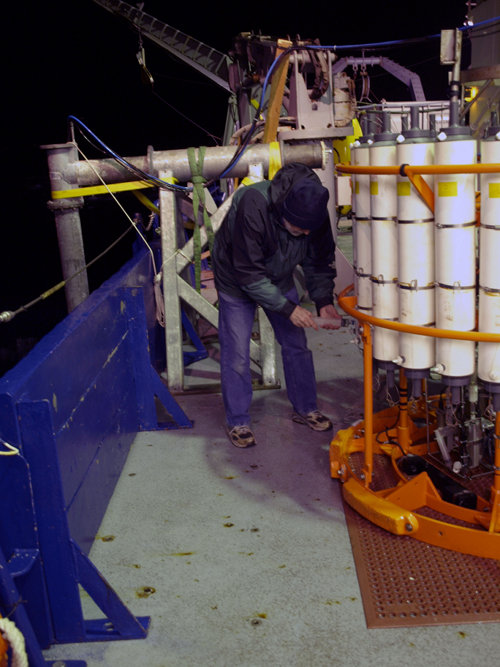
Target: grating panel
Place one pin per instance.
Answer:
(405, 582)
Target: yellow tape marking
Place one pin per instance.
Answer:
(404, 189)
(374, 187)
(274, 158)
(447, 189)
(494, 190)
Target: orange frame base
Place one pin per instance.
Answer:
(396, 508)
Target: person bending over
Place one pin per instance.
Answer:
(271, 228)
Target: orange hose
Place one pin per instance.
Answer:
(347, 303)
(406, 170)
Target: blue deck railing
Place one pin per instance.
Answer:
(73, 407)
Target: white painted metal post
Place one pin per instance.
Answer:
(176, 288)
(68, 225)
(267, 350)
(173, 324)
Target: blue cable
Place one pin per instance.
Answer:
(476, 25)
(399, 42)
(237, 156)
(144, 175)
(250, 132)
(344, 47)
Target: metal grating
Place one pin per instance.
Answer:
(406, 583)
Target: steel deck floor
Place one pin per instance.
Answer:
(243, 557)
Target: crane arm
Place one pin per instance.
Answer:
(210, 62)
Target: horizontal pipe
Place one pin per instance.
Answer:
(215, 161)
(348, 303)
(420, 169)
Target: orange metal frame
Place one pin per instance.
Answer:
(396, 509)
(414, 174)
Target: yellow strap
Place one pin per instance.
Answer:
(147, 202)
(274, 158)
(105, 189)
(100, 189)
(249, 180)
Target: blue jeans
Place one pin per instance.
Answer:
(236, 317)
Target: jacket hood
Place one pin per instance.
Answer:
(283, 181)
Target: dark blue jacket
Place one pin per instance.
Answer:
(254, 256)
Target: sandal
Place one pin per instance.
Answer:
(314, 419)
(241, 436)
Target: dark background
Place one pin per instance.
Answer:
(74, 57)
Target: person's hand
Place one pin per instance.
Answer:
(332, 319)
(302, 318)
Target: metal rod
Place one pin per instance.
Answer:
(403, 426)
(176, 161)
(368, 398)
(348, 304)
(494, 526)
(173, 328)
(421, 169)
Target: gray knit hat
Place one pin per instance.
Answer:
(305, 204)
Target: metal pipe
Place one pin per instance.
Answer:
(421, 169)
(348, 304)
(455, 81)
(494, 526)
(215, 161)
(403, 425)
(368, 402)
(497, 453)
(68, 173)
(60, 158)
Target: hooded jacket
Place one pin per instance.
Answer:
(254, 256)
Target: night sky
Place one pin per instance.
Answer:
(73, 57)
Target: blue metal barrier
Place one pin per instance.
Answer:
(73, 407)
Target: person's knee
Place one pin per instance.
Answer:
(298, 354)
(237, 363)
(296, 343)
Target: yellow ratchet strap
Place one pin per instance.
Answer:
(146, 201)
(100, 189)
(106, 189)
(274, 158)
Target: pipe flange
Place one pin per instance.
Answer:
(65, 204)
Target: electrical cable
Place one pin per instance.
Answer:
(312, 47)
(121, 160)
(7, 316)
(243, 146)
(401, 42)
(480, 24)
(132, 222)
(10, 449)
(216, 140)
(237, 156)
